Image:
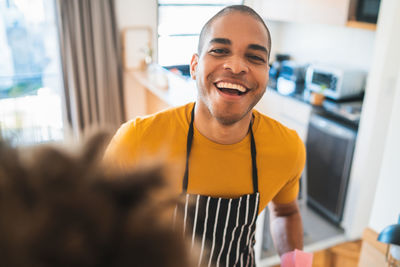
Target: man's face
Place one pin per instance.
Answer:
(232, 70)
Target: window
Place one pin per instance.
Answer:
(30, 72)
(179, 26)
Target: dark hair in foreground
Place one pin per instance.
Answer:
(64, 210)
(228, 10)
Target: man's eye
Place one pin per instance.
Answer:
(219, 51)
(257, 58)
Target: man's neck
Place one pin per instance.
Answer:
(217, 132)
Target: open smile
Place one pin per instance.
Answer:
(233, 89)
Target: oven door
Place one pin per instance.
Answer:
(330, 147)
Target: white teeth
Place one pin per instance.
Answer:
(231, 86)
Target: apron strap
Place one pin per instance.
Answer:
(189, 147)
(253, 160)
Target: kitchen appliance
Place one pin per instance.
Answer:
(335, 82)
(291, 78)
(330, 145)
(368, 10)
(275, 69)
(183, 70)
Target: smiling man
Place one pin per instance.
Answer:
(232, 160)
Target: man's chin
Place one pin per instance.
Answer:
(229, 120)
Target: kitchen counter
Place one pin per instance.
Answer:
(297, 96)
(171, 88)
(347, 111)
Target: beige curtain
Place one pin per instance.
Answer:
(91, 61)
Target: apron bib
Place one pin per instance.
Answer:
(225, 227)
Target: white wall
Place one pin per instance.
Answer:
(376, 144)
(132, 13)
(386, 207)
(138, 13)
(331, 44)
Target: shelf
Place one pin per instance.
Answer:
(361, 25)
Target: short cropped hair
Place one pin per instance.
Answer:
(62, 210)
(228, 10)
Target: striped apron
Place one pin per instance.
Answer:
(224, 227)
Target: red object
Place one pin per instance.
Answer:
(296, 258)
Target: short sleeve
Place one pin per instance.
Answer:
(290, 191)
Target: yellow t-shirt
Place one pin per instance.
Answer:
(214, 169)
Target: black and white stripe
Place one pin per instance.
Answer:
(225, 228)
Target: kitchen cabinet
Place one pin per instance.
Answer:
(334, 12)
(311, 11)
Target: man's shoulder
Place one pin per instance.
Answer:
(274, 131)
(273, 126)
(150, 131)
(175, 116)
(278, 139)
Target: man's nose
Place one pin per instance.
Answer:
(236, 65)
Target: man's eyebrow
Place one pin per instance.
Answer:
(221, 41)
(257, 47)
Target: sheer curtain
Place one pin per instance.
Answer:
(91, 61)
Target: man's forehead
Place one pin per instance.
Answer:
(234, 24)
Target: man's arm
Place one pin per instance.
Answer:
(286, 226)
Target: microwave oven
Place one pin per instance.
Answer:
(335, 82)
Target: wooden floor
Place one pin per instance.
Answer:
(343, 255)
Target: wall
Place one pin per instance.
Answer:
(136, 13)
(323, 43)
(386, 207)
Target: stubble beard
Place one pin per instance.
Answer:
(230, 120)
(222, 117)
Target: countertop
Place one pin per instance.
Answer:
(173, 89)
(347, 112)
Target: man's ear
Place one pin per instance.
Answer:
(193, 66)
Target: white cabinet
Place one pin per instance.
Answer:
(280, 10)
(270, 104)
(309, 11)
(288, 111)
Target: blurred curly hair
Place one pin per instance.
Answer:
(61, 210)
